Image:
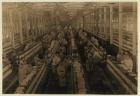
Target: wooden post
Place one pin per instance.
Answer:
(134, 29)
(135, 34)
(92, 22)
(104, 22)
(120, 30)
(12, 29)
(21, 35)
(83, 22)
(111, 33)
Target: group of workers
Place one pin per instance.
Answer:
(91, 56)
(58, 49)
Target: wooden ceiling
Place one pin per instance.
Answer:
(71, 7)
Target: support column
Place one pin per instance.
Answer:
(105, 32)
(120, 28)
(92, 21)
(83, 22)
(111, 33)
(135, 34)
(26, 24)
(21, 35)
(12, 30)
(135, 37)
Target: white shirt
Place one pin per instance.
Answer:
(56, 60)
(128, 62)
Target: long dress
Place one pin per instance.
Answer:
(21, 71)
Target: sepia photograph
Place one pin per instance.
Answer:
(69, 48)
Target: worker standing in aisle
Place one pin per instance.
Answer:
(54, 46)
(95, 41)
(13, 59)
(21, 70)
(127, 62)
(103, 55)
(82, 45)
(89, 63)
(61, 73)
(55, 61)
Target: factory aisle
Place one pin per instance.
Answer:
(69, 48)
